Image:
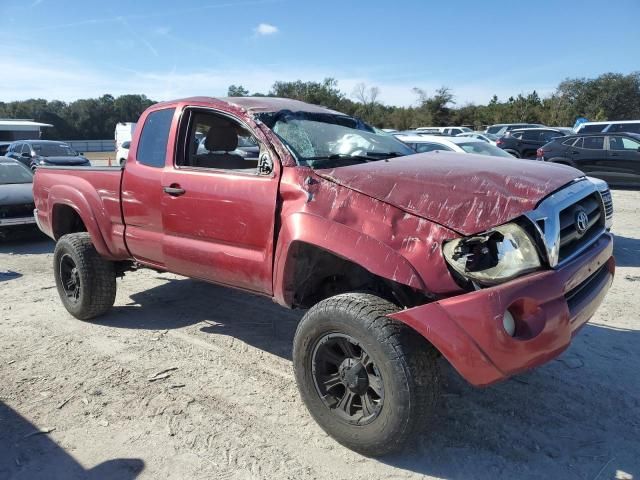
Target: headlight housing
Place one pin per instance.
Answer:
(496, 256)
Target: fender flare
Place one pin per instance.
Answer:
(89, 210)
(354, 246)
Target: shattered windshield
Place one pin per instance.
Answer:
(323, 140)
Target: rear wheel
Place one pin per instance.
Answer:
(86, 282)
(370, 382)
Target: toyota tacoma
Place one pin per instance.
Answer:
(397, 258)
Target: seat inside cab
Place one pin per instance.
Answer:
(219, 142)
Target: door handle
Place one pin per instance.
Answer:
(174, 190)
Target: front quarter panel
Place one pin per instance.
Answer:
(381, 238)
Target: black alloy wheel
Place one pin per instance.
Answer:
(69, 278)
(347, 380)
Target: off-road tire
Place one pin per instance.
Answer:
(406, 361)
(97, 277)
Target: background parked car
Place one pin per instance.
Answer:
(427, 143)
(35, 153)
(485, 137)
(123, 152)
(611, 157)
(524, 143)
(631, 126)
(444, 130)
(500, 129)
(16, 196)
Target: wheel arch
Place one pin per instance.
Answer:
(312, 248)
(71, 212)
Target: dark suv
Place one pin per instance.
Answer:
(611, 157)
(525, 142)
(35, 153)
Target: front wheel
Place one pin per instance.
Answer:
(86, 282)
(370, 382)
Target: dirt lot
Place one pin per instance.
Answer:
(79, 400)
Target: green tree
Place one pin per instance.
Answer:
(237, 91)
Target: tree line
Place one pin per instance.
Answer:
(610, 96)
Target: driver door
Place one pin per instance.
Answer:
(218, 207)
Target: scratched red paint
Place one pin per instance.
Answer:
(390, 217)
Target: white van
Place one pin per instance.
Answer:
(631, 126)
(124, 133)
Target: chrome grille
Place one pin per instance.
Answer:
(555, 219)
(571, 238)
(608, 203)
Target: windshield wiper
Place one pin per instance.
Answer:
(385, 154)
(369, 157)
(341, 156)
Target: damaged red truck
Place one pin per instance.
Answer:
(399, 258)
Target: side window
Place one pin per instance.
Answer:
(593, 143)
(548, 135)
(517, 135)
(531, 135)
(569, 142)
(578, 143)
(593, 128)
(625, 127)
(26, 148)
(218, 142)
(623, 143)
(152, 147)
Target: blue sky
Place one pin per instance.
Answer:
(69, 49)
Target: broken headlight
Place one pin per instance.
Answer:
(493, 257)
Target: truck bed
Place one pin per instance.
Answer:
(83, 189)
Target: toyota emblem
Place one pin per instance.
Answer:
(582, 222)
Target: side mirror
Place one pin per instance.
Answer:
(265, 165)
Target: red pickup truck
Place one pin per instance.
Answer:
(399, 258)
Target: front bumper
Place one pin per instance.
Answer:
(549, 307)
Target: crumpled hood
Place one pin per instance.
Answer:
(16, 193)
(464, 192)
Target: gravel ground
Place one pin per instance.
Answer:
(86, 400)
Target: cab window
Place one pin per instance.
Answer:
(152, 147)
(216, 141)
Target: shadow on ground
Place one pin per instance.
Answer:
(568, 418)
(26, 242)
(627, 251)
(255, 320)
(572, 418)
(25, 454)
